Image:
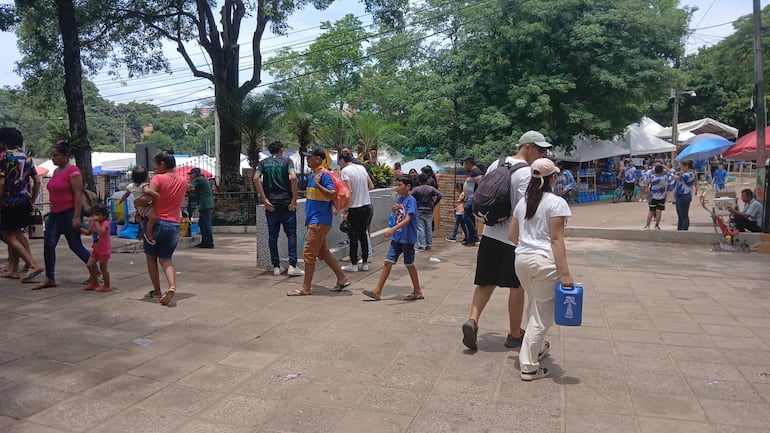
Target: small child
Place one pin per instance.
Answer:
(402, 236)
(102, 251)
(703, 187)
(720, 177)
(143, 197)
(458, 212)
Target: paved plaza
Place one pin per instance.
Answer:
(675, 338)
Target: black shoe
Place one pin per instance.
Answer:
(204, 246)
(470, 331)
(512, 343)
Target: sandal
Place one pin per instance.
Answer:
(31, 275)
(166, 298)
(339, 286)
(371, 294)
(151, 295)
(298, 292)
(44, 285)
(413, 297)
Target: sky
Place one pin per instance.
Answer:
(181, 91)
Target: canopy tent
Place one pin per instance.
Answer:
(699, 127)
(640, 138)
(745, 148)
(586, 149)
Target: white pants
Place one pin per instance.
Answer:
(539, 277)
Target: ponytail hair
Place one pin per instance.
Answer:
(537, 187)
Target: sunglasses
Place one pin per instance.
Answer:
(542, 150)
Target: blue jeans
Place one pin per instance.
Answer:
(424, 230)
(683, 211)
(166, 234)
(470, 221)
(460, 223)
(282, 216)
(58, 224)
(204, 222)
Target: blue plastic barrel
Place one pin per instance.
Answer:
(568, 310)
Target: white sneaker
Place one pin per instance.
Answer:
(295, 271)
(539, 374)
(345, 259)
(277, 271)
(350, 268)
(363, 267)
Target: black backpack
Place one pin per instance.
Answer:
(492, 198)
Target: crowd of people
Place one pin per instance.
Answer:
(523, 251)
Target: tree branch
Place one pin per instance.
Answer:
(256, 48)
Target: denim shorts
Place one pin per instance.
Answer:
(396, 249)
(166, 234)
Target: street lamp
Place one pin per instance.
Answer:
(186, 125)
(675, 126)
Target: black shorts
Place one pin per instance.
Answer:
(657, 204)
(495, 264)
(16, 217)
(629, 186)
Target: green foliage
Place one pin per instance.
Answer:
(382, 175)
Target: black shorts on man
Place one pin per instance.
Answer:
(495, 264)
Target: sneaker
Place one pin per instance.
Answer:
(470, 332)
(345, 259)
(350, 268)
(451, 240)
(91, 286)
(420, 248)
(277, 271)
(544, 352)
(512, 342)
(295, 271)
(428, 248)
(363, 267)
(647, 227)
(539, 374)
(657, 227)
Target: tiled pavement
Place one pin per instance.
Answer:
(676, 338)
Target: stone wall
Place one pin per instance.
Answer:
(382, 200)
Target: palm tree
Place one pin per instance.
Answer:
(302, 110)
(259, 113)
(371, 129)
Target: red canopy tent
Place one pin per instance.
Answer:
(745, 148)
(184, 170)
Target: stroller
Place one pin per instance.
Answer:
(728, 237)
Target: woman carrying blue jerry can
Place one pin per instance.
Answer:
(537, 229)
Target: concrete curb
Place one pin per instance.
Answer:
(628, 234)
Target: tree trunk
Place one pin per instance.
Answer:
(73, 91)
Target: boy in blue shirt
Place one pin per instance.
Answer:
(402, 236)
(720, 177)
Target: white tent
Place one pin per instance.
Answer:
(640, 138)
(699, 127)
(587, 149)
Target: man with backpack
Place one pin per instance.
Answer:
(495, 258)
(320, 193)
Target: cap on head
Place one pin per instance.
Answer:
(534, 137)
(316, 151)
(196, 171)
(543, 167)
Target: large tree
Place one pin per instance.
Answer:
(195, 20)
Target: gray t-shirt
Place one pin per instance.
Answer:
(470, 182)
(754, 210)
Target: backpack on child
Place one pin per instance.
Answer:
(342, 193)
(492, 198)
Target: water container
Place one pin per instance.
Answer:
(391, 220)
(568, 310)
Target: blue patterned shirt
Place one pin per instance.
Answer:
(685, 183)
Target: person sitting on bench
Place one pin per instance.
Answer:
(751, 216)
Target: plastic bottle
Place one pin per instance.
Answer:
(391, 220)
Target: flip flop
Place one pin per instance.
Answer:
(151, 295)
(9, 276)
(298, 292)
(413, 297)
(340, 286)
(28, 278)
(371, 294)
(166, 298)
(43, 286)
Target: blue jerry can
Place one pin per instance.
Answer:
(568, 310)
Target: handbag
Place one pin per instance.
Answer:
(88, 199)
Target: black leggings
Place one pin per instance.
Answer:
(358, 218)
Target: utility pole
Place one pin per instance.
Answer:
(761, 112)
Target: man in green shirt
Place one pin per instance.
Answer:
(202, 189)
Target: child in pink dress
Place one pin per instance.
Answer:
(102, 250)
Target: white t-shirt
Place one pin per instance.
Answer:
(519, 183)
(535, 233)
(359, 184)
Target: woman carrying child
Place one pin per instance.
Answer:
(143, 197)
